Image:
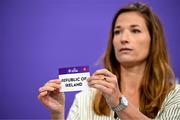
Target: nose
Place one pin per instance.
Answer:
(124, 38)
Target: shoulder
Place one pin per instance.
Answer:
(173, 97)
(175, 91)
(171, 107)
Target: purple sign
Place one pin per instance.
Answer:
(70, 70)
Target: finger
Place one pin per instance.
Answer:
(42, 94)
(103, 89)
(55, 81)
(102, 77)
(97, 77)
(56, 91)
(104, 72)
(52, 84)
(46, 88)
(100, 82)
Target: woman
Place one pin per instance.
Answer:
(137, 83)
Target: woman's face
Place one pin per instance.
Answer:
(131, 39)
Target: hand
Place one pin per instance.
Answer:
(107, 83)
(50, 96)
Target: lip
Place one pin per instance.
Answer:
(125, 49)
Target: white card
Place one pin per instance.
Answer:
(74, 78)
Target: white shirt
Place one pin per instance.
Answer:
(82, 109)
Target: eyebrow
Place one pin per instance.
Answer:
(135, 26)
(132, 26)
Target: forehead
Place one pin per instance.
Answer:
(130, 18)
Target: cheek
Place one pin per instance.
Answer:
(144, 48)
(115, 44)
(116, 48)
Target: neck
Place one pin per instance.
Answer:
(131, 77)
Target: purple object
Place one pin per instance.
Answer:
(70, 70)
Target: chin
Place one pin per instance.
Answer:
(126, 60)
(131, 62)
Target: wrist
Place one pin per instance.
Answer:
(57, 115)
(122, 104)
(116, 101)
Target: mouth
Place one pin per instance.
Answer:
(125, 50)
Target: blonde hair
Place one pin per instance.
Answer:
(158, 77)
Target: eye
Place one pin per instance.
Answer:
(135, 31)
(116, 32)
